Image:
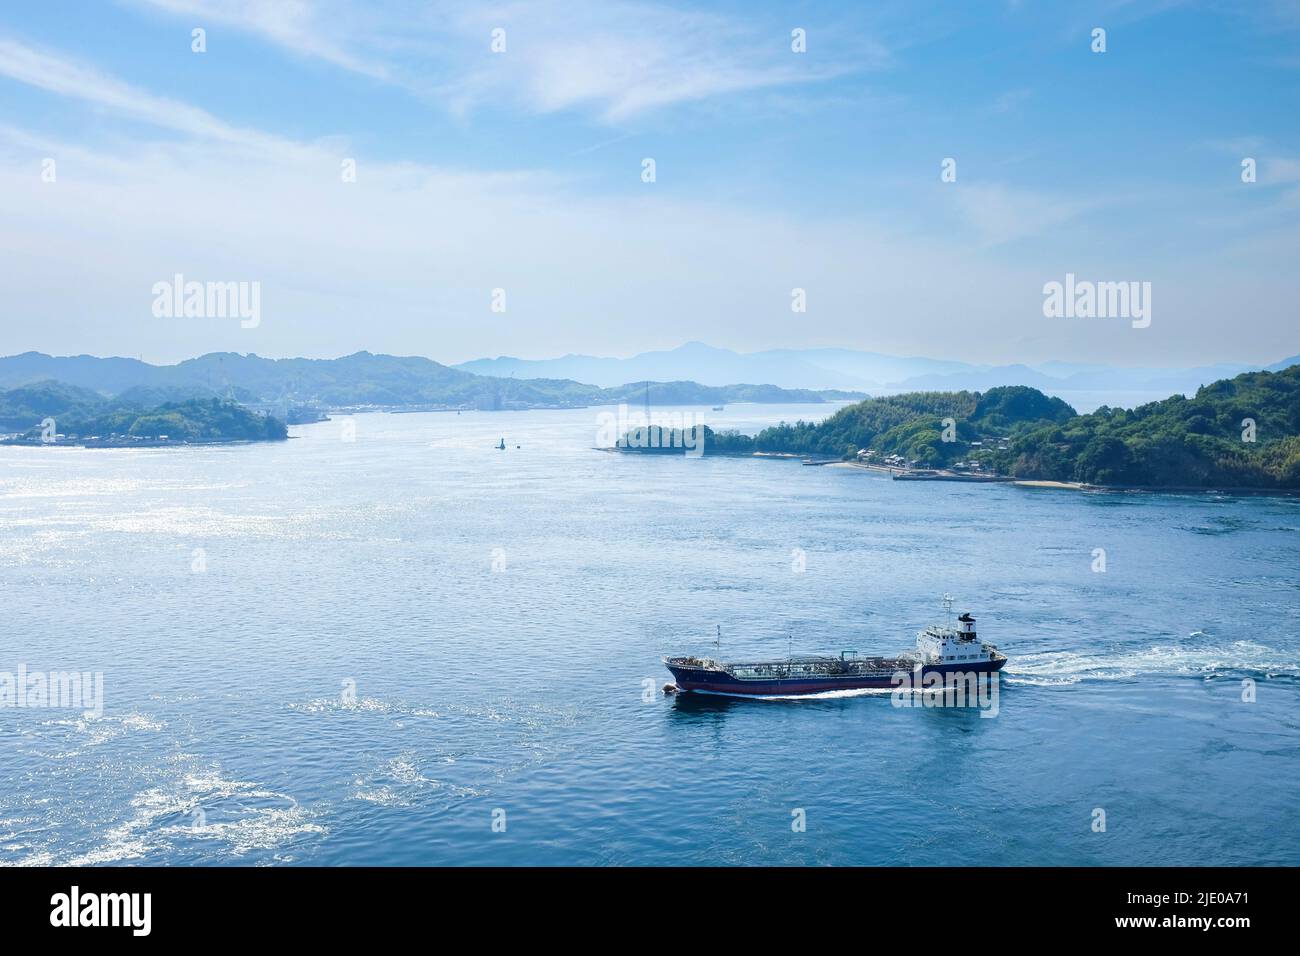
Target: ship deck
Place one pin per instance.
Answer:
(799, 667)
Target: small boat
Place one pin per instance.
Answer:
(502, 446)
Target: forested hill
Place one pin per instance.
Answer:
(79, 414)
(912, 424)
(197, 420)
(1242, 432)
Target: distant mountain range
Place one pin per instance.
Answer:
(694, 374)
(361, 379)
(870, 371)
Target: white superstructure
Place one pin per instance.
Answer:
(939, 644)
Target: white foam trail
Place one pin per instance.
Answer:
(1195, 660)
(399, 783)
(241, 817)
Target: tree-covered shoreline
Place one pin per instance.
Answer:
(54, 413)
(1241, 433)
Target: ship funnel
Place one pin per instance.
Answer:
(966, 624)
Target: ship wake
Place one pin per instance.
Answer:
(1201, 656)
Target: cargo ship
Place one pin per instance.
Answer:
(940, 649)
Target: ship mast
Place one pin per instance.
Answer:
(947, 606)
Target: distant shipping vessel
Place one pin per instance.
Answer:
(940, 649)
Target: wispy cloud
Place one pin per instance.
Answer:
(1278, 170)
(631, 58)
(1009, 102)
(1282, 171)
(404, 259)
(316, 30)
(615, 59)
(65, 77)
(1275, 168)
(1001, 214)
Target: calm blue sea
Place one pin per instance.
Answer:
(365, 652)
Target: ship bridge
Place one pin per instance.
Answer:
(943, 644)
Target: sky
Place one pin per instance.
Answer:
(500, 203)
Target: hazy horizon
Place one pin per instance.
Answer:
(394, 172)
(1267, 360)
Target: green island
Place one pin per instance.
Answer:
(79, 416)
(1239, 433)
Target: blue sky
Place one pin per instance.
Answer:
(774, 170)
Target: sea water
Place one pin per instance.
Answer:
(386, 641)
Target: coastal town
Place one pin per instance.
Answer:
(902, 469)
